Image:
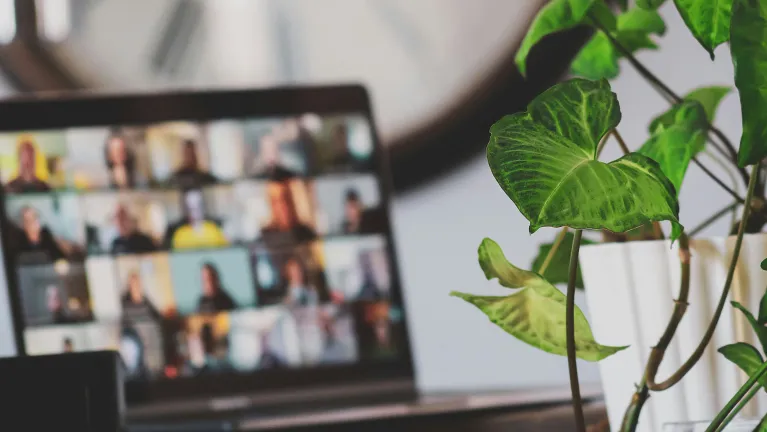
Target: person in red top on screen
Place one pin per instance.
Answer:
(27, 180)
(129, 239)
(190, 173)
(214, 298)
(120, 161)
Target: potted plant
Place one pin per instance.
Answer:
(547, 160)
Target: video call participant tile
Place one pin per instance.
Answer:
(290, 275)
(107, 158)
(54, 293)
(71, 338)
(379, 329)
(131, 222)
(45, 227)
(292, 206)
(212, 281)
(357, 268)
(264, 338)
(341, 144)
(180, 155)
(349, 204)
(145, 287)
(276, 149)
(32, 162)
(326, 334)
(203, 345)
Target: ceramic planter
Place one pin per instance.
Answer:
(630, 288)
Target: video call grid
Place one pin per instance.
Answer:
(190, 181)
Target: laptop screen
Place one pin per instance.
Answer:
(243, 246)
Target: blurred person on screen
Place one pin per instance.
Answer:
(268, 163)
(212, 361)
(214, 297)
(26, 181)
(369, 287)
(120, 161)
(269, 359)
(196, 231)
(189, 172)
(132, 351)
(37, 238)
(129, 239)
(67, 345)
(284, 216)
(298, 291)
(55, 305)
(134, 302)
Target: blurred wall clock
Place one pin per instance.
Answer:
(439, 71)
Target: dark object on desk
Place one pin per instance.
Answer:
(68, 392)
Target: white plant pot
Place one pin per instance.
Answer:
(630, 289)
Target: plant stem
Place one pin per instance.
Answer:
(718, 420)
(553, 251)
(717, 179)
(631, 417)
(664, 89)
(621, 142)
(740, 406)
(656, 355)
(703, 225)
(580, 421)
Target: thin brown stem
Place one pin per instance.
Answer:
(667, 91)
(717, 180)
(703, 225)
(554, 247)
(621, 141)
(656, 355)
(631, 417)
(575, 389)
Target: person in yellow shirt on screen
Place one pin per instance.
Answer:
(197, 231)
(27, 179)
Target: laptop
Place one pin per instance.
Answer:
(234, 246)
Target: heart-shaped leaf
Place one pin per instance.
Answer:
(679, 135)
(745, 357)
(559, 267)
(748, 44)
(760, 330)
(556, 16)
(535, 314)
(545, 160)
(709, 98)
(708, 20)
(650, 4)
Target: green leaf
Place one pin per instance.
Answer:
(556, 16)
(559, 266)
(762, 426)
(646, 21)
(760, 330)
(748, 44)
(709, 97)
(597, 59)
(535, 314)
(764, 264)
(674, 146)
(708, 20)
(650, 4)
(545, 160)
(634, 40)
(762, 319)
(745, 357)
